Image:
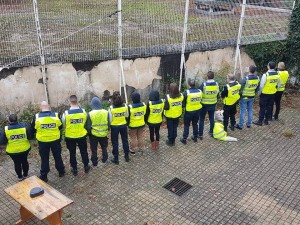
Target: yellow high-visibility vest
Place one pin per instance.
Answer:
(175, 104)
(47, 127)
(17, 141)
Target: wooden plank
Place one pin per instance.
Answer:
(42, 206)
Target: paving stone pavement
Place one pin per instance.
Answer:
(253, 181)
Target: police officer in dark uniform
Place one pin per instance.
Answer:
(15, 136)
(192, 105)
(47, 126)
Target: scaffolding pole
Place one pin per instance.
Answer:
(120, 46)
(182, 61)
(41, 48)
(238, 51)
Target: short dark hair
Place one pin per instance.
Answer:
(252, 69)
(117, 98)
(210, 75)
(73, 99)
(272, 65)
(13, 118)
(191, 82)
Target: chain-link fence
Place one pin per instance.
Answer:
(84, 30)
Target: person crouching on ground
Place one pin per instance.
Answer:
(231, 96)
(136, 123)
(172, 112)
(97, 125)
(16, 137)
(192, 105)
(154, 117)
(118, 112)
(219, 133)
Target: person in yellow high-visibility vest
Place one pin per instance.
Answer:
(269, 83)
(118, 112)
(154, 117)
(16, 137)
(74, 121)
(284, 75)
(231, 96)
(97, 126)
(172, 112)
(136, 123)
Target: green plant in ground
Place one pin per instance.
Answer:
(265, 52)
(27, 115)
(293, 41)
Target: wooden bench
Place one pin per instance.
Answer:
(48, 206)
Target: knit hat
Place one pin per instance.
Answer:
(96, 103)
(136, 98)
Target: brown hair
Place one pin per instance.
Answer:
(174, 90)
(73, 99)
(117, 98)
(210, 75)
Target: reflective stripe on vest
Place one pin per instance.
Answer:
(137, 116)
(47, 128)
(155, 115)
(17, 140)
(219, 132)
(118, 115)
(233, 94)
(271, 84)
(175, 104)
(284, 76)
(75, 124)
(210, 94)
(250, 87)
(193, 101)
(99, 119)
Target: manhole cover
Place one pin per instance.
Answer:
(177, 186)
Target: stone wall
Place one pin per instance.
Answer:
(22, 86)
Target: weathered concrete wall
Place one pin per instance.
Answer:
(24, 86)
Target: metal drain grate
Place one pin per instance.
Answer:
(177, 186)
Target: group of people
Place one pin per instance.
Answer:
(129, 120)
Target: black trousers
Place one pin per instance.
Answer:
(21, 163)
(82, 145)
(154, 130)
(44, 150)
(266, 103)
(172, 125)
(229, 113)
(277, 100)
(103, 141)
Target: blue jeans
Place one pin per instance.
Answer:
(210, 109)
(115, 130)
(188, 118)
(246, 104)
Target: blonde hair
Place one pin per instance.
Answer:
(281, 65)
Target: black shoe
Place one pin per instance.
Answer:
(200, 137)
(43, 178)
(276, 118)
(258, 123)
(169, 143)
(211, 134)
(126, 158)
(194, 139)
(61, 174)
(183, 141)
(87, 168)
(248, 126)
(231, 128)
(238, 127)
(266, 122)
(115, 161)
(74, 171)
(132, 152)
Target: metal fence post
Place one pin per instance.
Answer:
(41, 48)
